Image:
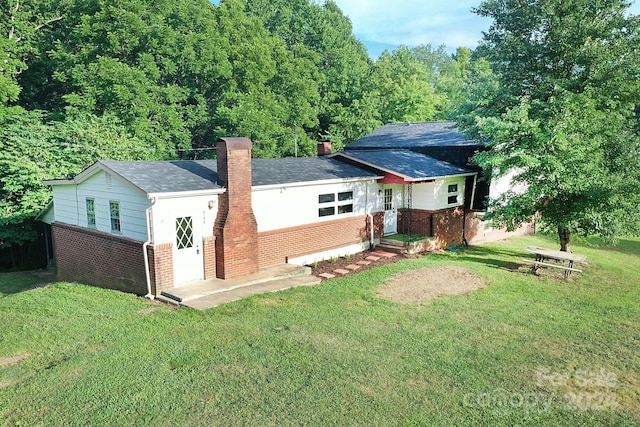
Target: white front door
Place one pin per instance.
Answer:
(390, 214)
(187, 253)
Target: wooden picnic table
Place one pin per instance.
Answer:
(543, 254)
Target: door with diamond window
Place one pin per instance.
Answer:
(187, 253)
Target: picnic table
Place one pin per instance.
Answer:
(543, 254)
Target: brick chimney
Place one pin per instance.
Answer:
(324, 148)
(235, 228)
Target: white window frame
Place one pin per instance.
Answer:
(91, 213)
(115, 219)
(334, 206)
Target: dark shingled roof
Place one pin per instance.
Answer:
(413, 135)
(405, 163)
(201, 175)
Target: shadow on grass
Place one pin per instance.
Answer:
(20, 281)
(501, 258)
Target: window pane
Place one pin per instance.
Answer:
(453, 188)
(184, 232)
(114, 209)
(345, 209)
(326, 198)
(388, 199)
(326, 211)
(347, 195)
(91, 213)
(452, 199)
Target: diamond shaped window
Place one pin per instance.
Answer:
(184, 232)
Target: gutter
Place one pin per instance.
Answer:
(145, 245)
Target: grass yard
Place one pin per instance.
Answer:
(525, 350)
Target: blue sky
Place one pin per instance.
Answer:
(381, 24)
(385, 24)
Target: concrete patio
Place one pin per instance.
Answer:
(203, 294)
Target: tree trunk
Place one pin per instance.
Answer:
(565, 236)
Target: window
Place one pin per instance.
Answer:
(326, 198)
(91, 213)
(114, 211)
(329, 206)
(452, 198)
(388, 199)
(184, 232)
(326, 211)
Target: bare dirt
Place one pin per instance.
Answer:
(426, 284)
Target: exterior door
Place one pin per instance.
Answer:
(390, 214)
(187, 254)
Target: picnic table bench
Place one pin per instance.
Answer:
(543, 254)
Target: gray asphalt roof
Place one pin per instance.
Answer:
(406, 163)
(200, 175)
(412, 135)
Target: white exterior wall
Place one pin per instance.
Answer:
(441, 193)
(290, 206)
(504, 183)
(70, 205)
(165, 211)
(432, 196)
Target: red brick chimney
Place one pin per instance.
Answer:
(235, 229)
(324, 148)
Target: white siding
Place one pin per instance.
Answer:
(423, 196)
(441, 193)
(70, 205)
(293, 206)
(165, 212)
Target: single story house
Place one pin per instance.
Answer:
(144, 227)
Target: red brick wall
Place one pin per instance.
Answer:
(278, 245)
(99, 259)
(209, 255)
(446, 223)
(477, 233)
(160, 267)
(235, 229)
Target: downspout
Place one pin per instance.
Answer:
(464, 216)
(371, 233)
(145, 245)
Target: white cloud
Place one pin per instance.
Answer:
(413, 22)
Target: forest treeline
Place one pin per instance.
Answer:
(82, 80)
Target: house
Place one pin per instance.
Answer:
(144, 227)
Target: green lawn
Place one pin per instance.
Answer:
(525, 350)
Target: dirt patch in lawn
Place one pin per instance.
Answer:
(8, 361)
(426, 284)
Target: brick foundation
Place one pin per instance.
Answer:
(277, 246)
(99, 259)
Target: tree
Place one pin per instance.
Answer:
(34, 148)
(404, 88)
(562, 114)
(157, 65)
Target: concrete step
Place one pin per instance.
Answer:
(392, 248)
(391, 242)
(219, 298)
(201, 288)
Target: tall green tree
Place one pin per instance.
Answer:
(271, 95)
(157, 65)
(563, 113)
(342, 63)
(34, 148)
